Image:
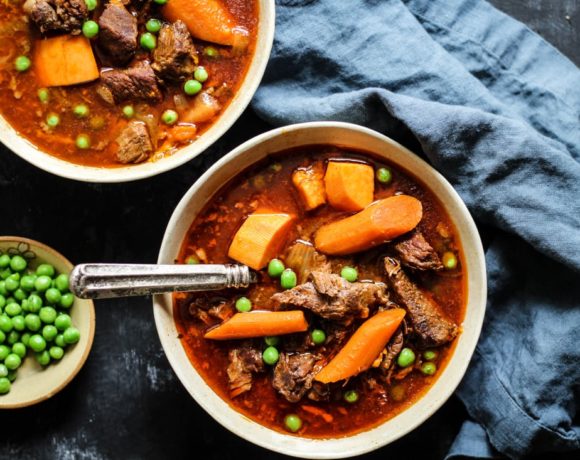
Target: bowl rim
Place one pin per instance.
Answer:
(90, 304)
(29, 152)
(308, 447)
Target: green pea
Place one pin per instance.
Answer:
(191, 87)
(275, 268)
(81, 110)
(430, 355)
(37, 343)
(243, 304)
(449, 260)
(153, 25)
(62, 283)
(19, 294)
(43, 95)
(53, 295)
(349, 274)
(288, 279)
(71, 335)
(406, 357)
(18, 263)
(192, 260)
(293, 423)
(24, 338)
(63, 322)
(4, 385)
(13, 337)
(11, 283)
(270, 356)
(32, 322)
(5, 273)
(318, 336)
(19, 349)
(272, 341)
(27, 282)
(67, 300)
(22, 63)
(91, 4)
(13, 309)
(42, 283)
(49, 332)
(18, 323)
(351, 396)
(4, 260)
(211, 52)
(2, 336)
(52, 120)
(90, 29)
(128, 111)
(4, 351)
(47, 315)
(148, 41)
(12, 361)
(83, 142)
(160, 2)
(34, 303)
(56, 352)
(45, 270)
(43, 358)
(3, 371)
(169, 117)
(398, 393)
(428, 368)
(59, 341)
(384, 175)
(5, 323)
(200, 74)
(12, 375)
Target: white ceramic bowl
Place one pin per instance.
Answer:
(349, 136)
(29, 152)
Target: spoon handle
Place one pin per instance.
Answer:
(101, 281)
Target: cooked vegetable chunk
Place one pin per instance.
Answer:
(349, 186)
(310, 185)
(259, 324)
(380, 222)
(64, 60)
(260, 238)
(363, 347)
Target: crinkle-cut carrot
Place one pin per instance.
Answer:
(207, 20)
(310, 185)
(64, 60)
(349, 186)
(259, 324)
(363, 347)
(260, 238)
(378, 223)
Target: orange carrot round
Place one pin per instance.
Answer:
(363, 347)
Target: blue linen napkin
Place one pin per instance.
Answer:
(496, 110)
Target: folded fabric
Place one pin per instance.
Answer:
(497, 111)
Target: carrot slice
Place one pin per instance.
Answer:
(64, 60)
(363, 347)
(259, 324)
(380, 222)
(260, 238)
(349, 186)
(207, 20)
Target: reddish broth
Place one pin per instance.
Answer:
(269, 185)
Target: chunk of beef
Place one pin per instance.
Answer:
(174, 57)
(429, 325)
(243, 362)
(134, 143)
(392, 350)
(135, 84)
(118, 33)
(332, 297)
(293, 375)
(415, 252)
(57, 15)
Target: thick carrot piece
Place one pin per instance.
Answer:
(380, 222)
(207, 20)
(363, 347)
(260, 238)
(64, 60)
(310, 185)
(349, 186)
(259, 324)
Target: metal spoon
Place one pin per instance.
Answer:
(102, 281)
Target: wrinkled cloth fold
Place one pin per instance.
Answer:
(496, 110)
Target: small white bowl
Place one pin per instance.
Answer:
(29, 152)
(34, 384)
(348, 136)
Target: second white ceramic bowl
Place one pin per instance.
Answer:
(348, 136)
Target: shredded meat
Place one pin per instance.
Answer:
(293, 375)
(332, 297)
(415, 252)
(429, 325)
(174, 57)
(134, 143)
(243, 362)
(392, 350)
(118, 33)
(57, 15)
(136, 84)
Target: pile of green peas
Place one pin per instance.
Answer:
(407, 358)
(33, 315)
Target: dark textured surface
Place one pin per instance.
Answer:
(127, 402)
